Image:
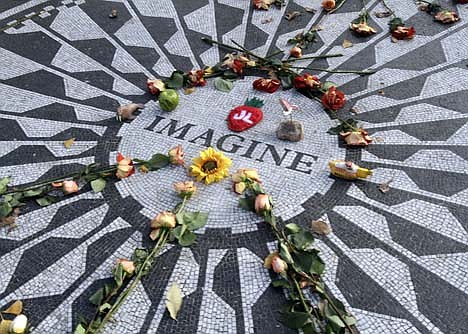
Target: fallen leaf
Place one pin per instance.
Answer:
(347, 44)
(394, 40)
(309, 10)
(320, 227)
(383, 14)
(174, 300)
(69, 142)
(189, 91)
(317, 28)
(381, 92)
(5, 326)
(16, 308)
(292, 15)
(267, 20)
(11, 218)
(354, 110)
(113, 13)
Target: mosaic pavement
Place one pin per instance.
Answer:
(398, 260)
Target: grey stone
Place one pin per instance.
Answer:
(290, 130)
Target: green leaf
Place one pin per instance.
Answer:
(104, 307)
(157, 161)
(47, 200)
(119, 275)
(176, 80)
(5, 209)
(292, 228)
(294, 320)
(286, 81)
(309, 329)
(223, 84)
(285, 254)
(328, 84)
(395, 22)
(348, 125)
(80, 329)
(4, 184)
(230, 75)
(193, 220)
(301, 240)
(98, 185)
(350, 320)
(97, 297)
(33, 192)
(336, 322)
(187, 239)
(247, 203)
(140, 255)
(254, 102)
(308, 262)
(281, 283)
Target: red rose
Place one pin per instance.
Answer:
(266, 85)
(237, 66)
(462, 1)
(196, 78)
(402, 32)
(307, 81)
(333, 99)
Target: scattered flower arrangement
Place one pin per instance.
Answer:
(439, 13)
(297, 264)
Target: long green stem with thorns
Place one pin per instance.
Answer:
(365, 72)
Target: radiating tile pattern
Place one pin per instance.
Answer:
(398, 261)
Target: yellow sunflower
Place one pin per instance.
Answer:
(211, 166)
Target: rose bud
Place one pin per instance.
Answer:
(402, 32)
(155, 234)
(278, 265)
(57, 184)
(362, 28)
(262, 203)
(239, 187)
(333, 99)
(127, 266)
(296, 52)
(69, 187)
(155, 86)
(266, 85)
(176, 155)
(328, 4)
(245, 173)
(164, 219)
(446, 16)
(185, 189)
(19, 324)
(124, 167)
(307, 81)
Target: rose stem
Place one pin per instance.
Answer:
(392, 13)
(248, 51)
(335, 71)
(210, 41)
(314, 57)
(337, 7)
(126, 293)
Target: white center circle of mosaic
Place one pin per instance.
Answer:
(293, 172)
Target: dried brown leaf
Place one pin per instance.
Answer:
(113, 13)
(16, 308)
(347, 44)
(267, 20)
(354, 110)
(10, 219)
(5, 326)
(317, 28)
(381, 92)
(292, 15)
(394, 40)
(69, 142)
(320, 227)
(385, 187)
(310, 10)
(189, 91)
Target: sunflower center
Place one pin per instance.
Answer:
(209, 166)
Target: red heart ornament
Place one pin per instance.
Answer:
(246, 116)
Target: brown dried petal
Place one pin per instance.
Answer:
(320, 227)
(292, 15)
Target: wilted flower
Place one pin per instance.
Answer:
(262, 203)
(266, 85)
(307, 81)
(262, 4)
(239, 187)
(185, 189)
(124, 167)
(328, 4)
(237, 62)
(69, 187)
(164, 219)
(127, 265)
(155, 233)
(176, 155)
(196, 78)
(356, 138)
(362, 28)
(296, 52)
(333, 99)
(402, 32)
(19, 324)
(126, 112)
(446, 16)
(155, 86)
(243, 174)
